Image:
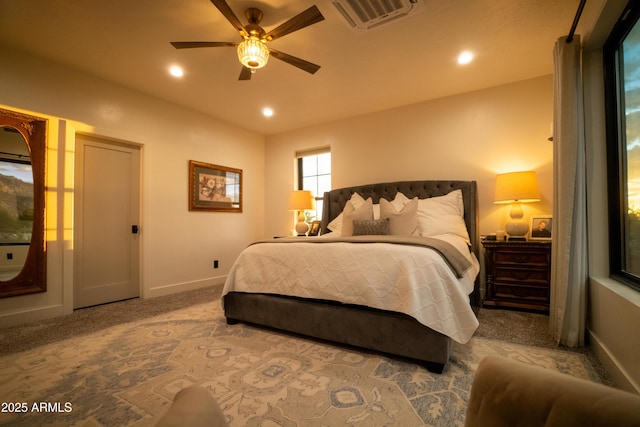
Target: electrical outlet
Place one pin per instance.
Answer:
(215, 263)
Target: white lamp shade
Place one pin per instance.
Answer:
(301, 200)
(517, 187)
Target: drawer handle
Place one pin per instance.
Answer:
(520, 275)
(520, 259)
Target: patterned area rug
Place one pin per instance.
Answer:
(128, 374)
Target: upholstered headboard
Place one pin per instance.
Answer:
(335, 200)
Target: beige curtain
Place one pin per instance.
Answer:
(569, 267)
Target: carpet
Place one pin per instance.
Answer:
(127, 375)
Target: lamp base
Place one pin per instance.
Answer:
(301, 226)
(517, 230)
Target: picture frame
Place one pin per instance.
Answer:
(314, 228)
(214, 188)
(541, 227)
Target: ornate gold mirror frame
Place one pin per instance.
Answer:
(33, 276)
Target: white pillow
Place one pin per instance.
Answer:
(443, 215)
(351, 213)
(357, 200)
(398, 202)
(403, 221)
(336, 224)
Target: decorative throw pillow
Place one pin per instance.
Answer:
(368, 227)
(398, 202)
(403, 221)
(336, 225)
(443, 215)
(351, 213)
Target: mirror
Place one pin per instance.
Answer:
(22, 245)
(16, 202)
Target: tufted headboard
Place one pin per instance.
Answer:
(335, 200)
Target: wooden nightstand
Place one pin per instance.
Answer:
(518, 274)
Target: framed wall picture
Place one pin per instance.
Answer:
(541, 227)
(214, 188)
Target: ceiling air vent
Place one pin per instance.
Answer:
(365, 15)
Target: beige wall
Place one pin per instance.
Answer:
(178, 246)
(472, 136)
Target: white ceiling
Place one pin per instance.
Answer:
(403, 62)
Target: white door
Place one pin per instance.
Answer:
(106, 218)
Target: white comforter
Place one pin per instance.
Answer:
(408, 279)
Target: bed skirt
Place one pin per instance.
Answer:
(383, 331)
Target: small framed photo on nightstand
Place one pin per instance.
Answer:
(541, 227)
(314, 230)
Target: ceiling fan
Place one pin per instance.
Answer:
(253, 52)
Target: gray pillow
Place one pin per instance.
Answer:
(364, 227)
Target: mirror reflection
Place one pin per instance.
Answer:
(16, 202)
(23, 249)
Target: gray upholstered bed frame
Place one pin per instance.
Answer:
(383, 331)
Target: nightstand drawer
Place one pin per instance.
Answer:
(518, 257)
(532, 276)
(519, 292)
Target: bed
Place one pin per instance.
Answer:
(356, 318)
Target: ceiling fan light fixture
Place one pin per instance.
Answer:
(253, 53)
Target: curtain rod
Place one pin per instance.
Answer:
(575, 21)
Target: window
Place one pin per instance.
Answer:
(622, 108)
(314, 174)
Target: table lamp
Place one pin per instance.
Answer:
(301, 200)
(515, 188)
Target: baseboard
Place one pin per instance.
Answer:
(35, 314)
(174, 288)
(618, 373)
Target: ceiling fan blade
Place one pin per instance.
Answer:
(296, 62)
(189, 45)
(245, 73)
(304, 19)
(224, 8)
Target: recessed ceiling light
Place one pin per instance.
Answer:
(267, 112)
(176, 71)
(465, 58)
